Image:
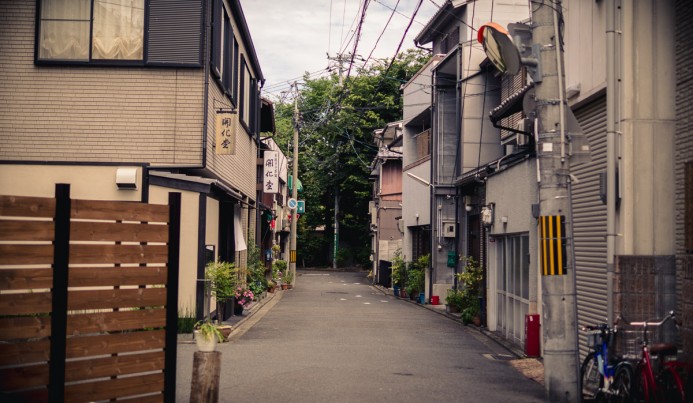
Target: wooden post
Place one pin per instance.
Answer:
(205, 377)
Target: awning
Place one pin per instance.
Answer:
(298, 181)
(510, 105)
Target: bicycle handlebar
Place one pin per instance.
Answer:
(601, 326)
(651, 322)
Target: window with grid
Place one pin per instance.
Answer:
(512, 285)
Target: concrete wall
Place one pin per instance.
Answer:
(86, 181)
(187, 277)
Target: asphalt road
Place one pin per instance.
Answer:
(336, 338)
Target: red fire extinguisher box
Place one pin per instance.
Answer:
(532, 335)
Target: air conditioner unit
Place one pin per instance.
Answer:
(449, 229)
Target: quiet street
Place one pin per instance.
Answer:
(334, 337)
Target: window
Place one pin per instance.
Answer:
(245, 96)
(423, 144)
(224, 51)
(113, 32)
(117, 32)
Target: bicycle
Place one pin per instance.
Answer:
(604, 377)
(661, 382)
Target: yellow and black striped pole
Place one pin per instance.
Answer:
(553, 253)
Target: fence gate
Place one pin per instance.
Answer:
(88, 299)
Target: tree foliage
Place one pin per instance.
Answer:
(336, 149)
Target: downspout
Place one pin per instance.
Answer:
(432, 187)
(458, 155)
(611, 155)
(208, 21)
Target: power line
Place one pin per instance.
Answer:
(382, 32)
(358, 35)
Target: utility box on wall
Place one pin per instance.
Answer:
(449, 229)
(532, 335)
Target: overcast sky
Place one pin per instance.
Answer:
(292, 37)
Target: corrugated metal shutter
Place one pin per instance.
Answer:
(589, 217)
(684, 146)
(175, 32)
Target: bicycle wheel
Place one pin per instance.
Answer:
(671, 386)
(592, 380)
(623, 384)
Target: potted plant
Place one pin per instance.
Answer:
(288, 279)
(206, 335)
(243, 298)
(271, 286)
(221, 280)
(397, 268)
(453, 301)
(471, 312)
(471, 279)
(278, 270)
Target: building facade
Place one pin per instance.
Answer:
(125, 101)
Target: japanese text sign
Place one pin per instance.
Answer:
(226, 134)
(270, 176)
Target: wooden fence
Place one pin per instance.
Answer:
(88, 299)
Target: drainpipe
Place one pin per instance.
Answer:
(432, 188)
(611, 155)
(458, 156)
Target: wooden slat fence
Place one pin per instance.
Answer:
(84, 291)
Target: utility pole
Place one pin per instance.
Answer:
(561, 363)
(540, 49)
(335, 249)
(294, 190)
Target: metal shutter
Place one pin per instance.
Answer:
(175, 32)
(589, 218)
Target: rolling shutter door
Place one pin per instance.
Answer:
(589, 217)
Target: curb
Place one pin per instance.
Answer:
(238, 327)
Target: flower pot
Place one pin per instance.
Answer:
(238, 309)
(205, 344)
(476, 320)
(285, 286)
(271, 290)
(225, 331)
(452, 309)
(435, 300)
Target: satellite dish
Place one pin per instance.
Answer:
(499, 48)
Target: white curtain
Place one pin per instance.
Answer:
(118, 30)
(65, 29)
(238, 233)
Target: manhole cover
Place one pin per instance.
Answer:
(403, 374)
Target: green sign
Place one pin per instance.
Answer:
(452, 258)
(301, 209)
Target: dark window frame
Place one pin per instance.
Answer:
(144, 62)
(223, 56)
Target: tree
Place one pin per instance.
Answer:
(336, 150)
